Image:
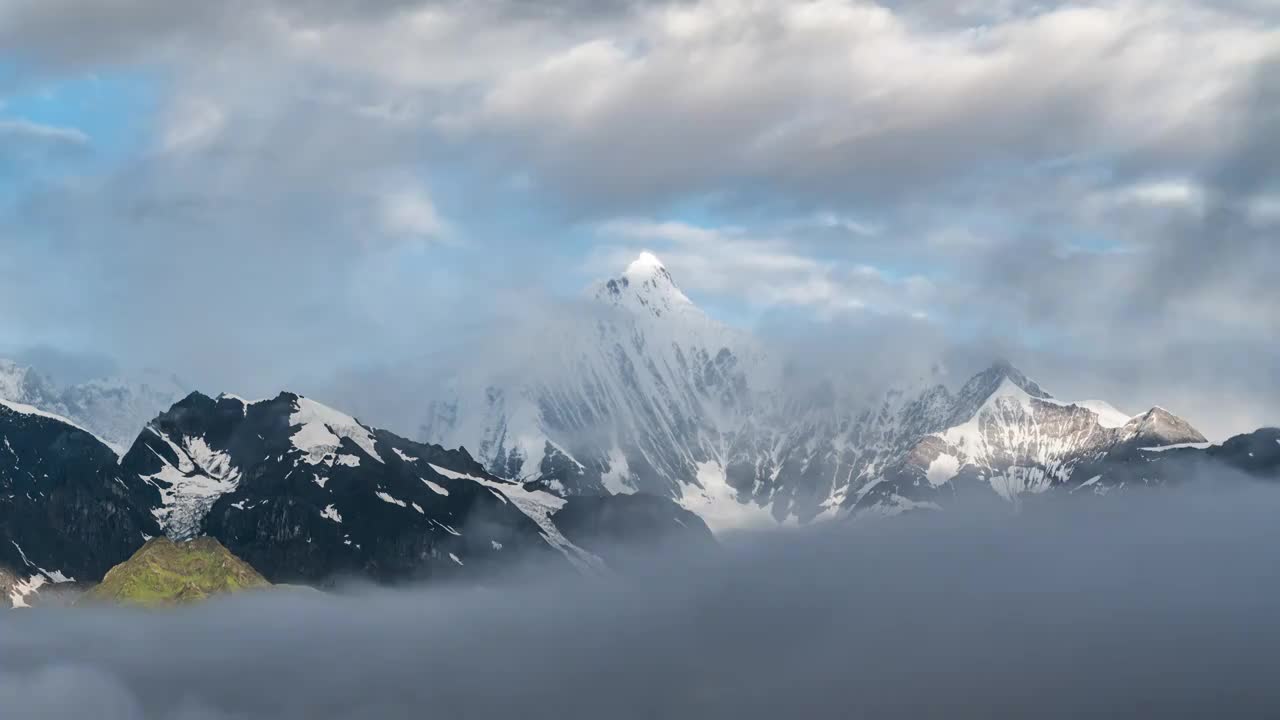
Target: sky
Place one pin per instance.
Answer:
(258, 195)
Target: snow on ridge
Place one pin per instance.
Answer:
(201, 476)
(18, 595)
(1018, 480)
(1178, 446)
(942, 469)
(968, 436)
(717, 503)
(321, 429)
(446, 528)
(233, 396)
(1012, 390)
(23, 409)
(1010, 421)
(1087, 483)
(1108, 415)
(436, 487)
(454, 474)
(616, 480)
(22, 590)
(244, 404)
(384, 497)
(538, 506)
(57, 576)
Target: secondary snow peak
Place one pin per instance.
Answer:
(1161, 427)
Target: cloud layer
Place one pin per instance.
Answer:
(1159, 607)
(1082, 187)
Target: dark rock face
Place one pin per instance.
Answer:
(1257, 453)
(300, 491)
(612, 526)
(379, 520)
(66, 508)
(1252, 456)
(304, 493)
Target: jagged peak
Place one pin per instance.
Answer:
(644, 267)
(194, 400)
(987, 383)
(286, 399)
(1003, 369)
(1155, 414)
(647, 283)
(1164, 426)
(1000, 379)
(199, 404)
(194, 396)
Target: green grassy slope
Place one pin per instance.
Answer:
(164, 572)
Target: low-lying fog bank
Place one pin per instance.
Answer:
(1154, 605)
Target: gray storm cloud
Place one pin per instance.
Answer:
(1151, 605)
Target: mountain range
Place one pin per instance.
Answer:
(646, 393)
(640, 420)
(305, 494)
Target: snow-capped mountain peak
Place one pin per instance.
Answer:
(321, 430)
(647, 268)
(646, 285)
(1008, 435)
(1159, 426)
(302, 491)
(643, 389)
(1002, 376)
(654, 396)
